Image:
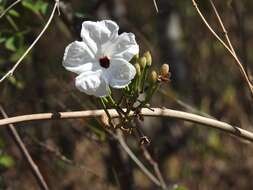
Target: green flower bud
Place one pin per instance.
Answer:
(148, 58)
(138, 69)
(165, 70)
(153, 76)
(143, 62)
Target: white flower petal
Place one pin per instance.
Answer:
(101, 40)
(124, 46)
(92, 83)
(78, 58)
(120, 73)
(95, 34)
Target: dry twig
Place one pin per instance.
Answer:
(155, 112)
(155, 166)
(222, 26)
(122, 142)
(11, 71)
(228, 47)
(36, 172)
(149, 158)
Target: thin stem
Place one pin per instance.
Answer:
(10, 72)
(149, 158)
(136, 160)
(116, 106)
(155, 112)
(237, 61)
(222, 26)
(37, 174)
(155, 166)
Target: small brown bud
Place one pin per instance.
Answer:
(148, 57)
(165, 70)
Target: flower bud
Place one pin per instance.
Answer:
(165, 70)
(138, 69)
(143, 62)
(148, 57)
(153, 76)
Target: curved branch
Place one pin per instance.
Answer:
(155, 112)
(35, 169)
(11, 71)
(231, 51)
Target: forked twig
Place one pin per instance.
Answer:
(41, 181)
(122, 142)
(148, 156)
(11, 71)
(222, 26)
(155, 166)
(231, 51)
(9, 8)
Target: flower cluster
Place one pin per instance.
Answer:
(105, 59)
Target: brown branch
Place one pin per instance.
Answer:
(36, 172)
(155, 112)
(231, 51)
(222, 26)
(148, 156)
(130, 153)
(155, 166)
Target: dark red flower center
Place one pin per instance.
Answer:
(104, 62)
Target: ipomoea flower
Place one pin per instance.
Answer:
(101, 58)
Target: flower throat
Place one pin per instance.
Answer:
(104, 62)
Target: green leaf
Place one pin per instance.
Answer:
(39, 6)
(42, 6)
(10, 44)
(13, 13)
(6, 161)
(30, 5)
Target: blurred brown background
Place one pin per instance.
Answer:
(204, 80)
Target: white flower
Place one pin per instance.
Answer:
(101, 58)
